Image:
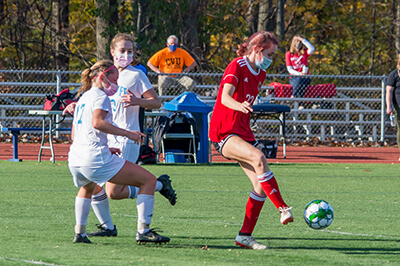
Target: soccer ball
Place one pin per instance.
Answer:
(318, 214)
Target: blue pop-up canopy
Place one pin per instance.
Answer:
(188, 101)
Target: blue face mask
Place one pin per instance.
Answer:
(173, 47)
(264, 64)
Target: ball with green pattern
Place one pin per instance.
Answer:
(318, 214)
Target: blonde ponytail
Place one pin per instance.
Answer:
(91, 72)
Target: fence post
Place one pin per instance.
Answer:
(383, 93)
(58, 90)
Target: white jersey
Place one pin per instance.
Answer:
(89, 147)
(136, 82)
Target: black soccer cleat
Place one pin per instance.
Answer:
(151, 237)
(78, 238)
(104, 231)
(167, 190)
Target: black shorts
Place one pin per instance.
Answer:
(219, 145)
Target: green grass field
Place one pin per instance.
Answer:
(37, 217)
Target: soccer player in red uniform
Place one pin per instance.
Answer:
(231, 134)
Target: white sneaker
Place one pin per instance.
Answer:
(286, 215)
(248, 242)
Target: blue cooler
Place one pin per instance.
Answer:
(170, 157)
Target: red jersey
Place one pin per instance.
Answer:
(247, 82)
(297, 61)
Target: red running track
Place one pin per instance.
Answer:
(303, 154)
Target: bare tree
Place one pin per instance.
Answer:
(398, 28)
(61, 27)
(391, 33)
(252, 16)
(2, 10)
(190, 35)
(266, 16)
(280, 19)
(106, 21)
(143, 18)
(102, 24)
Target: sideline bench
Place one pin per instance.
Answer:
(16, 131)
(49, 130)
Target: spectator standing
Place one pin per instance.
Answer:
(231, 134)
(393, 97)
(92, 163)
(172, 59)
(297, 64)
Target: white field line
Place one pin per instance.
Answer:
(188, 219)
(30, 261)
(367, 235)
(228, 223)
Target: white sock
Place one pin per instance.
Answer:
(102, 209)
(159, 186)
(82, 209)
(145, 206)
(133, 192)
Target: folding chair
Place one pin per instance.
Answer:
(176, 136)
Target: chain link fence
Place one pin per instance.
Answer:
(326, 107)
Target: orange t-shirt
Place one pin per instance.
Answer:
(169, 62)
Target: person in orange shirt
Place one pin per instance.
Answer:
(172, 60)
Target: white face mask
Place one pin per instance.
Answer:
(123, 60)
(111, 88)
(264, 63)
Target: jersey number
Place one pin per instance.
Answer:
(79, 112)
(250, 99)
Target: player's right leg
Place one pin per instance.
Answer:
(163, 185)
(82, 209)
(255, 165)
(253, 209)
(135, 175)
(130, 152)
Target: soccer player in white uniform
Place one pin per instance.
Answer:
(126, 102)
(92, 162)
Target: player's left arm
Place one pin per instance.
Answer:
(99, 122)
(150, 100)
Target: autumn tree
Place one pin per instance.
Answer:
(350, 37)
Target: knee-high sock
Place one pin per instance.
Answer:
(159, 186)
(82, 209)
(253, 209)
(134, 191)
(145, 206)
(101, 208)
(271, 189)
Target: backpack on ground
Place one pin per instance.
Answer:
(147, 155)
